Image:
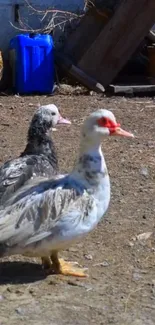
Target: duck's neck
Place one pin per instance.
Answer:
(91, 172)
(91, 165)
(40, 143)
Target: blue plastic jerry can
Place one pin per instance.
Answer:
(32, 62)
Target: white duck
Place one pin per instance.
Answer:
(42, 219)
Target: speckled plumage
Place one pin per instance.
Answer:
(52, 214)
(48, 216)
(39, 157)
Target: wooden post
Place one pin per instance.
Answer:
(118, 40)
(85, 34)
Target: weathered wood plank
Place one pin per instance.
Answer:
(77, 74)
(118, 40)
(131, 89)
(85, 34)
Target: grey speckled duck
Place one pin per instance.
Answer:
(39, 157)
(42, 218)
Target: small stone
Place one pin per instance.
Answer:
(151, 144)
(88, 257)
(130, 244)
(104, 264)
(144, 171)
(19, 311)
(144, 236)
(30, 104)
(136, 276)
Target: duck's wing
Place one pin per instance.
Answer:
(54, 209)
(13, 174)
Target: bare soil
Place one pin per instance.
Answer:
(120, 288)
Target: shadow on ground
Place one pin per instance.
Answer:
(20, 273)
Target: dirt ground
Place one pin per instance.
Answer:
(120, 288)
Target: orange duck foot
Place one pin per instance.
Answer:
(53, 265)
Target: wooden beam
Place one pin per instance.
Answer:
(118, 40)
(131, 89)
(77, 74)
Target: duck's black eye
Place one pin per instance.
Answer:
(53, 113)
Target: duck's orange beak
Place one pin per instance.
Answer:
(121, 132)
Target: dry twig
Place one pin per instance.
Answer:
(59, 18)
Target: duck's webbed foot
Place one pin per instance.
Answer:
(59, 266)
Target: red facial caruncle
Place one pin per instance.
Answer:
(114, 128)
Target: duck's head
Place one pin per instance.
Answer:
(101, 123)
(49, 116)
